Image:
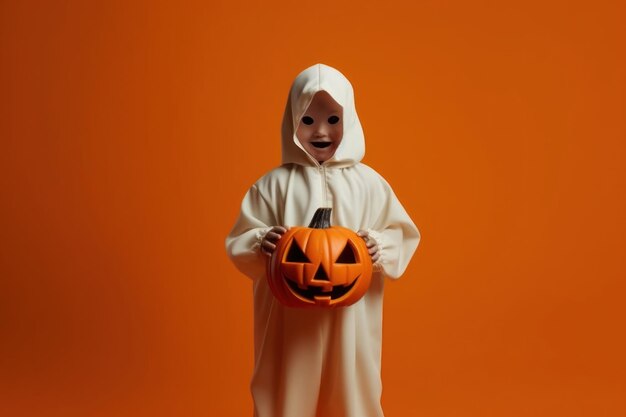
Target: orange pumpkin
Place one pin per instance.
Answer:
(319, 265)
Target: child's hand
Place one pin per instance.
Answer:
(268, 244)
(372, 247)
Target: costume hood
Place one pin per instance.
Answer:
(313, 79)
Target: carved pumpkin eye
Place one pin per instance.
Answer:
(347, 255)
(295, 254)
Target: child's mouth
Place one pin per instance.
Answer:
(321, 144)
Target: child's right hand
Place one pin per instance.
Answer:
(268, 244)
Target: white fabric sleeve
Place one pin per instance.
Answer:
(243, 244)
(395, 234)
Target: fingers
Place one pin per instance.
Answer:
(274, 234)
(279, 229)
(272, 237)
(372, 246)
(268, 244)
(267, 247)
(369, 242)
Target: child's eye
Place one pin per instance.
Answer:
(307, 120)
(333, 119)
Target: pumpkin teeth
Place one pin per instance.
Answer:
(323, 300)
(324, 292)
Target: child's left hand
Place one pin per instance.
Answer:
(372, 247)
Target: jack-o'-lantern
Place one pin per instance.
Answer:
(320, 265)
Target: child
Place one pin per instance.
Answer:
(314, 361)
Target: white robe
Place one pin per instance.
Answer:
(316, 362)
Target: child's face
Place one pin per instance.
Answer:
(321, 127)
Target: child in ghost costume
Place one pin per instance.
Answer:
(320, 362)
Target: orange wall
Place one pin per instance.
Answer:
(130, 132)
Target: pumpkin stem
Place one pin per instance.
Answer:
(321, 218)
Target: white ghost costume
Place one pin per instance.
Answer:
(318, 362)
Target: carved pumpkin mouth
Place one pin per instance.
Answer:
(318, 293)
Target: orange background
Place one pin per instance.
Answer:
(131, 130)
